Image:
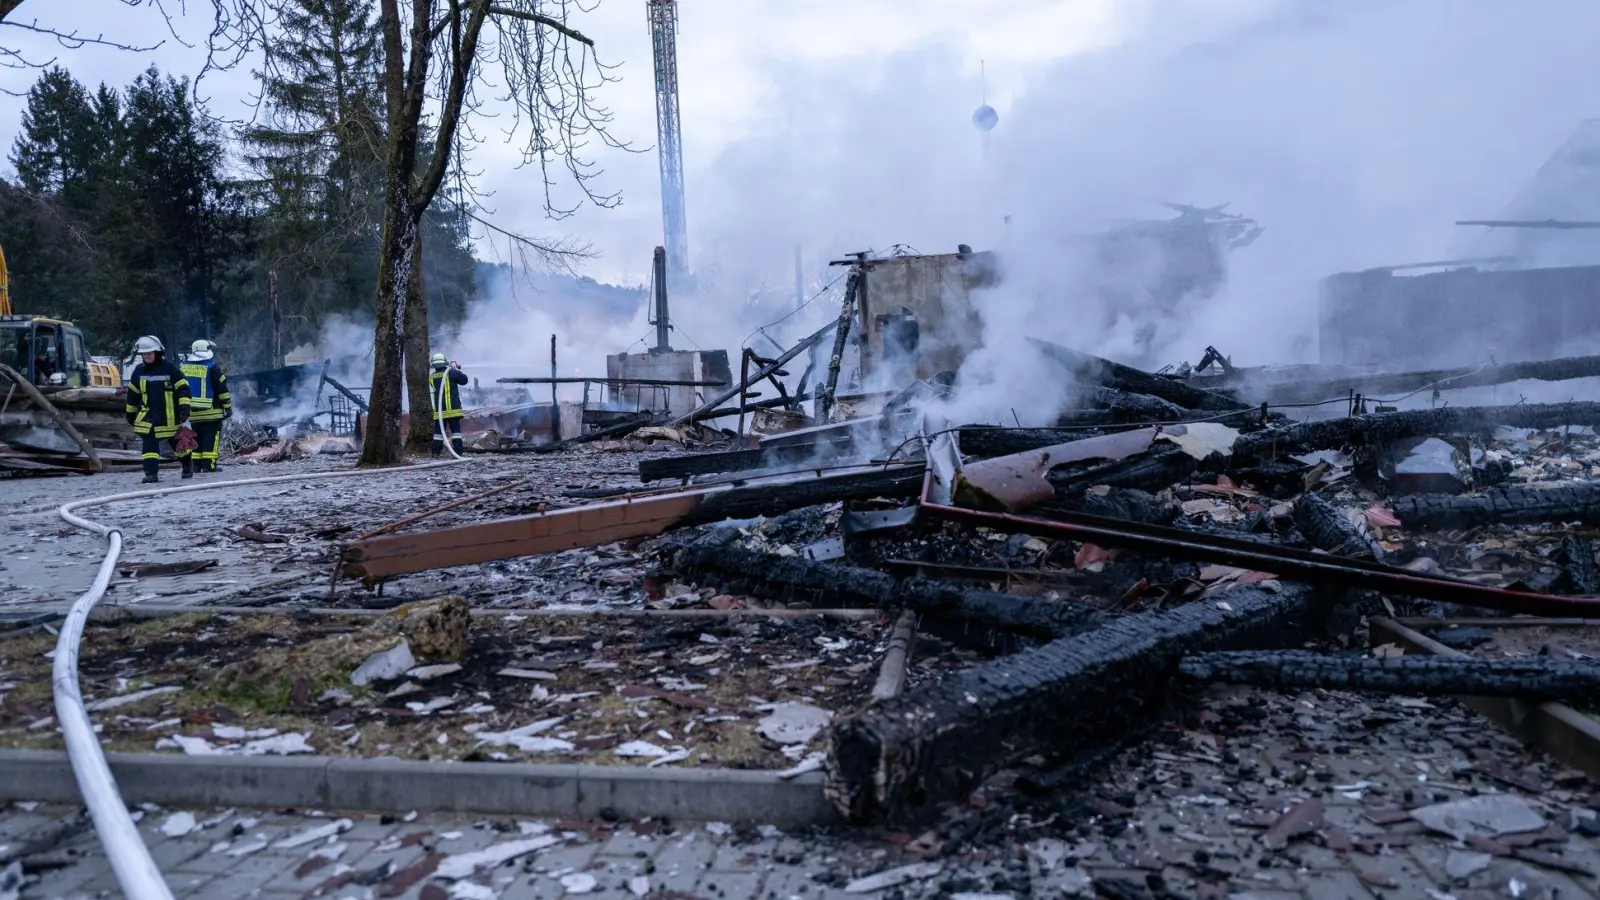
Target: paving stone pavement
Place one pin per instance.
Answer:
(1184, 814)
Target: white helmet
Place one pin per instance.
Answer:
(439, 361)
(148, 344)
(201, 349)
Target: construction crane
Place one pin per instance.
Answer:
(669, 139)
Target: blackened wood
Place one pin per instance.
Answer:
(1327, 528)
(1528, 679)
(1094, 370)
(788, 578)
(748, 501)
(1578, 575)
(1071, 697)
(1578, 502)
(1129, 504)
(1562, 369)
(1127, 406)
(1163, 465)
(1384, 427)
(740, 460)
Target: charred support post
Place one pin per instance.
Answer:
(1528, 679)
(937, 741)
(847, 312)
(1502, 506)
(555, 405)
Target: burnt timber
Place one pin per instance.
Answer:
(1089, 369)
(1579, 502)
(1383, 427)
(936, 741)
(1528, 679)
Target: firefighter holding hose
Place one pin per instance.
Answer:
(209, 402)
(445, 383)
(158, 408)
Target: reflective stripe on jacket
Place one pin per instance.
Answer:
(158, 399)
(448, 407)
(208, 390)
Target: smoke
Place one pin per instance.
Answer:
(1355, 133)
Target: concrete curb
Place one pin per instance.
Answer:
(398, 786)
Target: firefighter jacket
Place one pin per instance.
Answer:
(449, 406)
(208, 391)
(158, 399)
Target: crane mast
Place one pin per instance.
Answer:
(664, 41)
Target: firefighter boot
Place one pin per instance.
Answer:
(152, 470)
(188, 467)
(458, 446)
(438, 447)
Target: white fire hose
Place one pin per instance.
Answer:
(136, 872)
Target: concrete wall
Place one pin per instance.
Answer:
(672, 365)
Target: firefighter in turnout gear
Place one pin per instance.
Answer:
(444, 386)
(209, 403)
(157, 406)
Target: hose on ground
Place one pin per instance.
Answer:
(130, 859)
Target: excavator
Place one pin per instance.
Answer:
(59, 383)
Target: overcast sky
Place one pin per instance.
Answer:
(1356, 132)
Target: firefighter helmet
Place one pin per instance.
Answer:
(439, 361)
(201, 349)
(148, 344)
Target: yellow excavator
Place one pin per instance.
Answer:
(50, 355)
(42, 347)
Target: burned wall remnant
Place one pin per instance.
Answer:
(669, 365)
(915, 317)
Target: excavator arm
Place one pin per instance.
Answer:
(5, 286)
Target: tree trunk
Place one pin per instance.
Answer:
(382, 444)
(419, 437)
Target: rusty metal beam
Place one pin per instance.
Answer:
(633, 516)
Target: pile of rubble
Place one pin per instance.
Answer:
(1099, 564)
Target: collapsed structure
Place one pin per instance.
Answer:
(1186, 530)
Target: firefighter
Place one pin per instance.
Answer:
(209, 403)
(444, 386)
(157, 406)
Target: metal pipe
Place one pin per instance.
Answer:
(663, 326)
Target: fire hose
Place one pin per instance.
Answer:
(130, 859)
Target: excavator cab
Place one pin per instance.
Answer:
(40, 347)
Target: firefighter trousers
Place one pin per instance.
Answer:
(208, 434)
(150, 454)
(453, 426)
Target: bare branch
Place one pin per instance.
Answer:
(72, 40)
(541, 19)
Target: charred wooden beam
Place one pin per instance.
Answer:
(1094, 370)
(1578, 502)
(667, 467)
(602, 523)
(1327, 528)
(1071, 696)
(1129, 504)
(787, 578)
(1385, 427)
(1563, 369)
(1578, 573)
(1128, 406)
(1434, 676)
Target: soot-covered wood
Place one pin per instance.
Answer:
(1384, 427)
(1327, 528)
(1070, 696)
(1529, 679)
(1578, 502)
